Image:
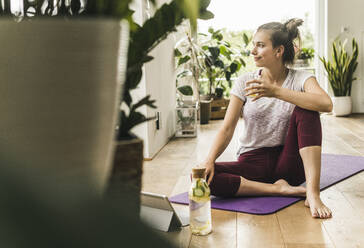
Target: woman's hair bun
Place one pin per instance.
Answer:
(292, 27)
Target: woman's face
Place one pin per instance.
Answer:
(263, 51)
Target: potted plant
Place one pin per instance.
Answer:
(340, 73)
(61, 83)
(304, 56)
(212, 60)
(125, 179)
(220, 60)
(189, 68)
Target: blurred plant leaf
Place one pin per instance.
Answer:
(144, 101)
(206, 15)
(246, 39)
(191, 10)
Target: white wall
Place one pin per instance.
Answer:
(320, 34)
(140, 91)
(350, 14)
(159, 82)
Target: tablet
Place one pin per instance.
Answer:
(157, 211)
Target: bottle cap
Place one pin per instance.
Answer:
(198, 172)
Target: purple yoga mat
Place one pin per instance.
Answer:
(335, 168)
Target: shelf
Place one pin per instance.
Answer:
(304, 68)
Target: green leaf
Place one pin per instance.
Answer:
(206, 15)
(242, 62)
(146, 59)
(183, 60)
(246, 39)
(177, 52)
(233, 68)
(223, 50)
(134, 75)
(144, 101)
(127, 98)
(208, 63)
(191, 9)
(204, 4)
(227, 44)
(185, 90)
(219, 63)
(215, 52)
(239, 66)
(226, 52)
(217, 36)
(134, 119)
(227, 76)
(183, 74)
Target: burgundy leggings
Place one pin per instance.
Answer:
(268, 164)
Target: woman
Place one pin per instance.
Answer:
(281, 144)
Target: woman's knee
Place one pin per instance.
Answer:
(224, 184)
(308, 126)
(305, 114)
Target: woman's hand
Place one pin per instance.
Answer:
(259, 88)
(210, 171)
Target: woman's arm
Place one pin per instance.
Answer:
(224, 135)
(313, 98)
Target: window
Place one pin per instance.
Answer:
(236, 17)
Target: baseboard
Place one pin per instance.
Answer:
(150, 159)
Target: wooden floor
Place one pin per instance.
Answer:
(168, 173)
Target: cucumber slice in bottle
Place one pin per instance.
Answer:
(198, 183)
(205, 185)
(198, 192)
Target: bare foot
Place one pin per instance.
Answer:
(289, 190)
(317, 208)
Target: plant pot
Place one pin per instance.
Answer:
(219, 108)
(60, 93)
(205, 97)
(342, 105)
(125, 181)
(205, 111)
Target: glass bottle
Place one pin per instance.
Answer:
(199, 203)
(256, 76)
